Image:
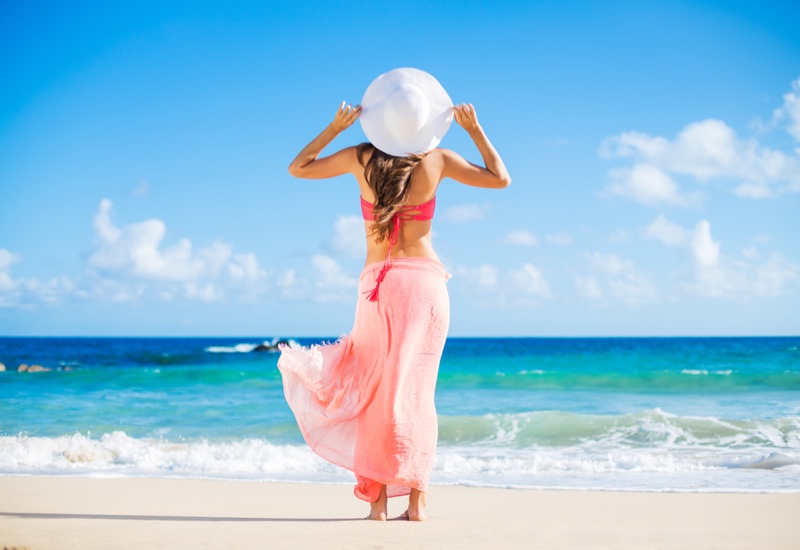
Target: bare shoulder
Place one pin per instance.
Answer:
(447, 156)
(438, 153)
(436, 158)
(350, 158)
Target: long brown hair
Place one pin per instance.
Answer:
(388, 177)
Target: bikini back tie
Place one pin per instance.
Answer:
(421, 212)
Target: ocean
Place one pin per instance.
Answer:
(634, 414)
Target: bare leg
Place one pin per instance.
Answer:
(378, 509)
(416, 506)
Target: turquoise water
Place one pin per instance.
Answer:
(614, 413)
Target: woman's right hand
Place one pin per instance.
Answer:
(466, 117)
(345, 116)
(307, 163)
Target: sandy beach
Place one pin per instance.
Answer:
(71, 512)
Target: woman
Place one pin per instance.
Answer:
(366, 401)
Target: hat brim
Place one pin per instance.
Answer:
(373, 120)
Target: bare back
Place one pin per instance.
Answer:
(414, 237)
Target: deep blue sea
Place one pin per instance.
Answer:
(652, 414)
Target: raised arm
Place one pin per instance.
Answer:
(494, 174)
(307, 164)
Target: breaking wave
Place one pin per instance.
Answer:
(650, 450)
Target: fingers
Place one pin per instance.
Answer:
(352, 113)
(345, 109)
(346, 115)
(464, 109)
(465, 114)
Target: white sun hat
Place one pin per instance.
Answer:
(405, 112)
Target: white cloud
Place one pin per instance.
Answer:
(203, 292)
(715, 275)
(348, 237)
(7, 259)
(530, 281)
(142, 189)
(24, 292)
(522, 238)
(671, 234)
(332, 283)
(754, 190)
(290, 285)
(751, 253)
(701, 245)
(772, 277)
(127, 291)
(562, 238)
(614, 277)
(646, 184)
(244, 267)
(464, 213)
(134, 254)
(610, 264)
(135, 250)
(490, 287)
(589, 287)
(704, 150)
(484, 276)
(791, 110)
(704, 249)
(621, 235)
(761, 238)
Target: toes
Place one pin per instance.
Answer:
(376, 516)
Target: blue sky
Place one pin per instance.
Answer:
(654, 149)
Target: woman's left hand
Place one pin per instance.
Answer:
(345, 116)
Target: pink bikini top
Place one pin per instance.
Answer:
(424, 212)
(425, 209)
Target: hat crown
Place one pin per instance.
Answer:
(406, 111)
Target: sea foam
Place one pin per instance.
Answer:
(608, 466)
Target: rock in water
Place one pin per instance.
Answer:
(38, 368)
(272, 347)
(33, 368)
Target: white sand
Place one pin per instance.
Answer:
(73, 512)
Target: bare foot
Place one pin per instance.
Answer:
(408, 516)
(378, 509)
(416, 507)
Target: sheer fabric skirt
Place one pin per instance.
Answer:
(365, 402)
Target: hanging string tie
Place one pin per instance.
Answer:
(372, 295)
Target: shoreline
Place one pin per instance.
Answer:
(44, 512)
(434, 485)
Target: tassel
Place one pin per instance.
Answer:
(373, 294)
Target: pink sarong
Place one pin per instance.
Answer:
(365, 402)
